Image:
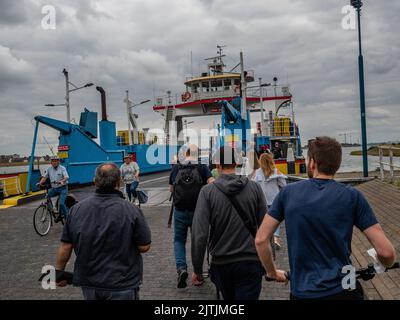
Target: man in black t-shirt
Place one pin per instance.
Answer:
(185, 181)
(108, 235)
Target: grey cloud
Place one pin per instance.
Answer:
(15, 12)
(145, 46)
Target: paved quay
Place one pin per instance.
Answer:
(23, 253)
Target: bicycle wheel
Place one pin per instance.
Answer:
(42, 220)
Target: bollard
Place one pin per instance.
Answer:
(381, 163)
(391, 165)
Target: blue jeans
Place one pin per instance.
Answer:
(238, 280)
(182, 222)
(131, 189)
(278, 230)
(62, 192)
(101, 294)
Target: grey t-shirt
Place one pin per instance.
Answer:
(56, 175)
(128, 172)
(105, 231)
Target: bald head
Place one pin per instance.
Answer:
(192, 151)
(107, 176)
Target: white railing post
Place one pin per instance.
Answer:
(391, 164)
(381, 163)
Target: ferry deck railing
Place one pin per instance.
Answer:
(390, 164)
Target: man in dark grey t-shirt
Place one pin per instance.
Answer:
(235, 267)
(108, 235)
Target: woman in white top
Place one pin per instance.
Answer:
(130, 176)
(271, 181)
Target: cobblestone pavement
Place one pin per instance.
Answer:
(23, 253)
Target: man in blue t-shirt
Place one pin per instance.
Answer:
(319, 214)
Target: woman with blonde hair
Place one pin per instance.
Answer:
(271, 181)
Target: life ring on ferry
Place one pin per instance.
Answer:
(186, 96)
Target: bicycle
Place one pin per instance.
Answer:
(365, 273)
(45, 214)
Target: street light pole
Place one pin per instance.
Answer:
(128, 105)
(262, 107)
(67, 92)
(357, 4)
(65, 72)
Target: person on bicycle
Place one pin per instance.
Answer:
(320, 214)
(58, 176)
(130, 175)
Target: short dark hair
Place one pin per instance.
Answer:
(227, 157)
(107, 176)
(327, 153)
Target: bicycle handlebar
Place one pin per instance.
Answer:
(365, 274)
(369, 272)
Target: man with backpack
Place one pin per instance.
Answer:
(227, 215)
(186, 180)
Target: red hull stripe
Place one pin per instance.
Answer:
(206, 101)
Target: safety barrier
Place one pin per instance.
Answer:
(390, 164)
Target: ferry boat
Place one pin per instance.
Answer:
(80, 153)
(276, 127)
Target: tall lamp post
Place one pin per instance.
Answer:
(129, 106)
(186, 128)
(260, 86)
(357, 4)
(67, 92)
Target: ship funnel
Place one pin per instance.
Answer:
(103, 103)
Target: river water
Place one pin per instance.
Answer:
(349, 163)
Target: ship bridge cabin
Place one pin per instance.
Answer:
(213, 86)
(215, 83)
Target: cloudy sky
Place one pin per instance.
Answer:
(145, 46)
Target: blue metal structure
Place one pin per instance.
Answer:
(81, 154)
(234, 129)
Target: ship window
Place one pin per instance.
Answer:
(227, 84)
(206, 86)
(216, 85)
(195, 87)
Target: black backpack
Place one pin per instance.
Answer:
(187, 186)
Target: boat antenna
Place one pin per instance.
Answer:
(219, 51)
(191, 63)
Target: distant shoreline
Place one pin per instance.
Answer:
(21, 164)
(374, 151)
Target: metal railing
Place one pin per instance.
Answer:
(390, 164)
